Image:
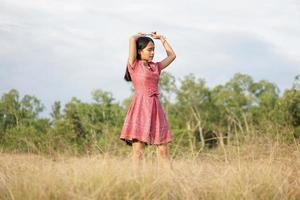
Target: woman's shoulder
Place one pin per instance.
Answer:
(155, 62)
(156, 65)
(133, 65)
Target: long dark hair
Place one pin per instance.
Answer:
(141, 43)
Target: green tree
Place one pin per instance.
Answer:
(265, 97)
(10, 109)
(193, 99)
(30, 107)
(73, 116)
(289, 107)
(56, 111)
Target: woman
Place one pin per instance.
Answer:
(145, 122)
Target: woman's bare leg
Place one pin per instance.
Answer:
(163, 156)
(138, 149)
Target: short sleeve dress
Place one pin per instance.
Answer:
(145, 119)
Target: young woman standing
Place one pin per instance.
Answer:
(146, 122)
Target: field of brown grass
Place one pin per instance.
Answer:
(258, 171)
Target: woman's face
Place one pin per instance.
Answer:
(148, 52)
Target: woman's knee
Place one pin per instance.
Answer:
(163, 150)
(138, 148)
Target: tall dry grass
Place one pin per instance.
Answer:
(265, 170)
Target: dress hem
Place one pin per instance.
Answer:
(130, 140)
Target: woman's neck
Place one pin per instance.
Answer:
(145, 62)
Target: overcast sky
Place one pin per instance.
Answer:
(57, 49)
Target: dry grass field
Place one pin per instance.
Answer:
(268, 170)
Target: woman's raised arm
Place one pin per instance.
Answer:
(132, 48)
(170, 53)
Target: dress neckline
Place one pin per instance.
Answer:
(148, 67)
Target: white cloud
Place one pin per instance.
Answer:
(59, 49)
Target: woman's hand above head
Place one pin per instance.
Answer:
(162, 38)
(154, 35)
(132, 48)
(142, 33)
(170, 53)
(139, 34)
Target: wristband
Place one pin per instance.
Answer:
(163, 39)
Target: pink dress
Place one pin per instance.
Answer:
(145, 119)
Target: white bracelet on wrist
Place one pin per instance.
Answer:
(163, 39)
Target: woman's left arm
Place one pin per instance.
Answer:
(170, 53)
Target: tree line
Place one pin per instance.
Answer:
(199, 117)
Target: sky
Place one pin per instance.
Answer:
(59, 49)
